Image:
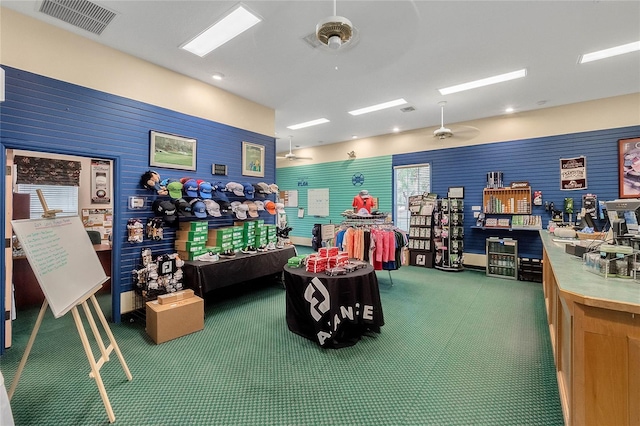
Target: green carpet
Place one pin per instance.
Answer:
(456, 349)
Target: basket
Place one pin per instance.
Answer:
(593, 236)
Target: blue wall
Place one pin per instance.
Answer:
(47, 115)
(534, 160)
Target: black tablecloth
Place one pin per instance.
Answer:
(203, 277)
(333, 311)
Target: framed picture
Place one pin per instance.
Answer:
(172, 151)
(252, 159)
(629, 168)
(456, 192)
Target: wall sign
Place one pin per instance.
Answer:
(357, 179)
(573, 173)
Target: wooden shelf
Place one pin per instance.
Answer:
(507, 201)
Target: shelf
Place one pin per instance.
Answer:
(507, 201)
(499, 228)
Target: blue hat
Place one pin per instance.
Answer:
(218, 192)
(191, 188)
(198, 208)
(248, 191)
(205, 189)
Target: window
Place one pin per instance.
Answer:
(57, 197)
(409, 180)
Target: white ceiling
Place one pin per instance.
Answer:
(404, 49)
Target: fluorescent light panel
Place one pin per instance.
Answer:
(308, 124)
(378, 107)
(613, 51)
(232, 25)
(484, 82)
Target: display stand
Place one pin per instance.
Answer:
(78, 267)
(448, 234)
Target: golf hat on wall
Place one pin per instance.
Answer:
(248, 191)
(260, 205)
(165, 209)
(257, 191)
(264, 188)
(204, 189)
(270, 207)
(175, 189)
(218, 191)
(183, 207)
(235, 187)
(191, 188)
(198, 208)
(225, 207)
(213, 208)
(280, 207)
(274, 188)
(240, 210)
(253, 209)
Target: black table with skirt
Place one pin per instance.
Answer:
(333, 311)
(203, 277)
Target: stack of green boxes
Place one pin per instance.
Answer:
(191, 239)
(221, 238)
(272, 234)
(237, 238)
(261, 234)
(248, 232)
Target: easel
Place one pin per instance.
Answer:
(104, 351)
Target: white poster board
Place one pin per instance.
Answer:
(62, 259)
(318, 202)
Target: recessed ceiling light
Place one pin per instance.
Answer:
(396, 129)
(217, 76)
(484, 82)
(607, 53)
(308, 124)
(378, 107)
(509, 110)
(354, 137)
(233, 24)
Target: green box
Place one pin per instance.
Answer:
(190, 246)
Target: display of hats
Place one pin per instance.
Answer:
(213, 208)
(270, 207)
(280, 207)
(183, 207)
(235, 187)
(218, 191)
(257, 191)
(253, 209)
(190, 188)
(264, 188)
(249, 190)
(274, 188)
(205, 189)
(175, 189)
(260, 205)
(198, 208)
(165, 209)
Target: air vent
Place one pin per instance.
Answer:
(80, 13)
(407, 109)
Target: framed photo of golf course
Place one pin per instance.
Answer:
(172, 151)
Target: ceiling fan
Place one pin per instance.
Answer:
(291, 156)
(444, 132)
(334, 31)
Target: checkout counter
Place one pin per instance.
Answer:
(594, 323)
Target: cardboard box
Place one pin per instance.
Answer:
(168, 322)
(165, 299)
(190, 246)
(197, 226)
(198, 236)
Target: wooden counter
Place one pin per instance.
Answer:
(595, 334)
(27, 290)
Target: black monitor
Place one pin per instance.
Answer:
(588, 221)
(624, 216)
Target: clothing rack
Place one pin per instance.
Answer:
(372, 223)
